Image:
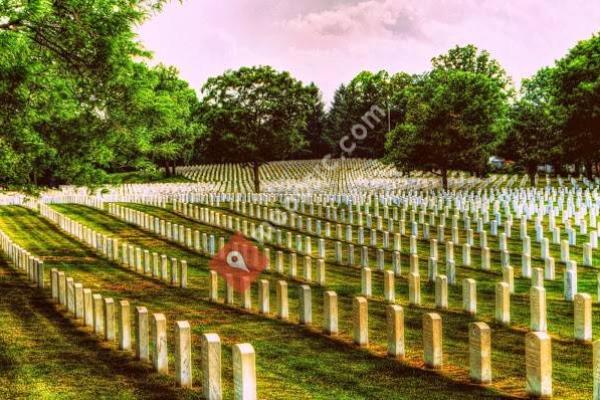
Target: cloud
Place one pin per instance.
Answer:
(367, 18)
(329, 41)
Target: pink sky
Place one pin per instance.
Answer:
(329, 41)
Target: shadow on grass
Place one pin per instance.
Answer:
(46, 355)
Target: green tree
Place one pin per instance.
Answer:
(470, 59)
(374, 100)
(534, 134)
(317, 145)
(337, 122)
(160, 111)
(576, 80)
(455, 117)
(60, 62)
(91, 38)
(255, 115)
(48, 134)
(179, 127)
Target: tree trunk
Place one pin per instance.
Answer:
(255, 166)
(444, 174)
(173, 166)
(559, 169)
(588, 170)
(531, 174)
(167, 170)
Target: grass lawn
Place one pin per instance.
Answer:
(44, 355)
(572, 361)
(292, 362)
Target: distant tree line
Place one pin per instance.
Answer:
(79, 100)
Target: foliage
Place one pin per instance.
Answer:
(470, 59)
(374, 100)
(576, 87)
(317, 145)
(158, 112)
(534, 135)
(454, 119)
(63, 64)
(255, 115)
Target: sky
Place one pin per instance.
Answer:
(328, 42)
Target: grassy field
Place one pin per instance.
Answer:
(292, 361)
(145, 177)
(572, 366)
(46, 356)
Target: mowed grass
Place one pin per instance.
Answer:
(43, 355)
(572, 361)
(292, 362)
(145, 177)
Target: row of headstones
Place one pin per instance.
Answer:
(570, 275)
(526, 201)
(503, 314)
(537, 293)
(283, 171)
(86, 200)
(537, 350)
(370, 221)
(186, 191)
(416, 201)
(23, 260)
(260, 232)
(296, 222)
(523, 199)
(99, 314)
(140, 193)
(477, 213)
(336, 208)
(193, 242)
(135, 258)
(582, 301)
(192, 239)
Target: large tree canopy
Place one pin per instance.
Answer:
(470, 59)
(317, 144)
(68, 80)
(534, 135)
(255, 115)
(455, 116)
(159, 114)
(576, 87)
(91, 37)
(51, 127)
(375, 100)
